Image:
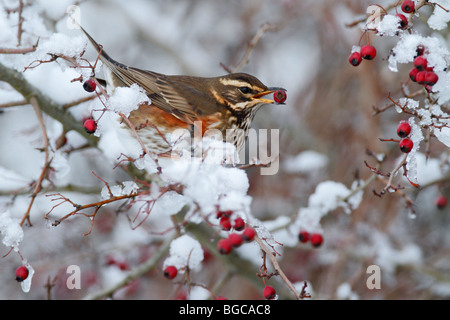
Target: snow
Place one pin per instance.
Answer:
(10, 230)
(126, 99)
(184, 251)
(306, 162)
(344, 291)
(439, 18)
(327, 197)
(404, 51)
(26, 284)
(389, 25)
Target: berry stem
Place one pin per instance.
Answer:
(275, 264)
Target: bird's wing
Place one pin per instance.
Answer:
(157, 86)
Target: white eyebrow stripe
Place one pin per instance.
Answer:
(237, 83)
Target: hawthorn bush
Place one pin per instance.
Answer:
(360, 179)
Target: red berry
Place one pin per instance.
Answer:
(226, 213)
(441, 202)
(316, 239)
(420, 63)
(89, 85)
(368, 52)
(403, 21)
(235, 239)
(406, 145)
(21, 273)
(403, 129)
(239, 224)
(408, 6)
(224, 246)
(280, 96)
(430, 78)
(90, 125)
(413, 74)
(355, 59)
(303, 236)
(225, 223)
(420, 77)
(248, 234)
(269, 292)
(170, 272)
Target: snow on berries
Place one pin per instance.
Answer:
(421, 72)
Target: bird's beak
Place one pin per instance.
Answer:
(260, 96)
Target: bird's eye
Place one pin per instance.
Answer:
(244, 89)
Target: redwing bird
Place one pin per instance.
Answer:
(226, 103)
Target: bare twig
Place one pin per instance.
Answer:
(266, 27)
(47, 163)
(277, 267)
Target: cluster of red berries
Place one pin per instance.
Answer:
(234, 239)
(403, 131)
(422, 73)
(366, 52)
(369, 52)
(21, 273)
(316, 239)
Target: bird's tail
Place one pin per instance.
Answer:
(104, 57)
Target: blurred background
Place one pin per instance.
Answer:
(329, 110)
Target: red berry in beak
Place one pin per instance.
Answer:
(280, 96)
